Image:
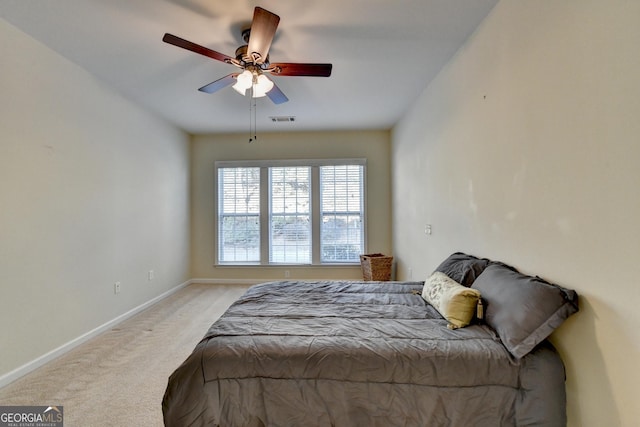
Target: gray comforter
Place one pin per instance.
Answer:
(357, 354)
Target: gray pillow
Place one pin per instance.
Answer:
(463, 268)
(523, 310)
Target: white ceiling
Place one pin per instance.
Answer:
(384, 53)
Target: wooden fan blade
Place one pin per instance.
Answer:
(185, 44)
(263, 28)
(276, 95)
(219, 84)
(312, 70)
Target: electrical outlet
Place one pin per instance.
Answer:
(287, 274)
(116, 288)
(427, 229)
(151, 275)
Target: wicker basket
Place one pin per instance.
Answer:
(376, 267)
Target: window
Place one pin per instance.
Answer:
(341, 233)
(290, 215)
(239, 215)
(291, 212)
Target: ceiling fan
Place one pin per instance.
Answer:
(253, 60)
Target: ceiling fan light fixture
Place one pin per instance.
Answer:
(262, 86)
(243, 82)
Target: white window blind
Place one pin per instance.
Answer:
(342, 229)
(290, 219)
(239, 214)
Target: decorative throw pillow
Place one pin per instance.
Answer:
(454, 302)
(463, 268)
(523, 310)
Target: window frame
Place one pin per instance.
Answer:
(316, 216)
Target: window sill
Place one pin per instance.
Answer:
(288, 266)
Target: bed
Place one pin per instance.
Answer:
(327, 353)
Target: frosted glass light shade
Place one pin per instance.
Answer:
(262, 86)
(243, 82)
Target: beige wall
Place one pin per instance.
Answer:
(206, 150)
(93, 190)
(525, 149)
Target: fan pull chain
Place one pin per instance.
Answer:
(255, 120)
(253, 127)
(250, 107)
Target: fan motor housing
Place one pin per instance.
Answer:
(241, 56)
(241, 52)
(246, 33)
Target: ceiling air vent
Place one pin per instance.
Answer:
(282, 119)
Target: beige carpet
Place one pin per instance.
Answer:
(119, 377)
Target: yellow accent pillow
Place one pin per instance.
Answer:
(454, 302)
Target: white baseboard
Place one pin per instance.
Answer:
(228, 281)
(53, 354)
